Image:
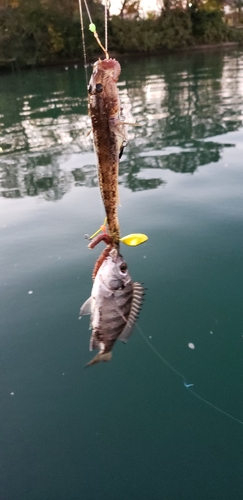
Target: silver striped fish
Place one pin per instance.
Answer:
(114, 305)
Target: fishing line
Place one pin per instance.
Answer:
(92, 28)
(83, 41)
(188, 386)
(87, 9)
(106, 25)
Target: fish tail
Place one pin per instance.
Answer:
(106, 356)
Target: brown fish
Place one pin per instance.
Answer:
(114, 305)
(109, 135)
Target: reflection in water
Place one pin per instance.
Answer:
(177, 103)
(37, 175)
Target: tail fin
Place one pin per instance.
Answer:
(100, 357)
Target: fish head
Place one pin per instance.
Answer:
(102, 84)
(114, 272)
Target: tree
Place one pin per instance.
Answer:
(130, 9)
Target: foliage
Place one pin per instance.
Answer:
(150, 35)
(208, 26)
(124, 35)
(43, 32)
(175, 28)
(130, 9)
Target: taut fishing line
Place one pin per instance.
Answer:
(188, 386)
(83, 41)
(106, 25)
(92, 28)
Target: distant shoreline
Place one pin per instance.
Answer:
(10, 65)
(211, 46)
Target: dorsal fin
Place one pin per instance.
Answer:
(137, 298)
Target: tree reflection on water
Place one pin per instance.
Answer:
(176, 102)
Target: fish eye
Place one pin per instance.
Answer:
(123, 267)
(99, 88)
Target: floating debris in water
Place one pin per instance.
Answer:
(211, 333)
(150, 336)
(30, 292)
(187, 385)
(191, 345)
(11, 393)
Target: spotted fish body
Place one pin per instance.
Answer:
(114, 305)
(109, 135)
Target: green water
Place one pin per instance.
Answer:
(129, 429)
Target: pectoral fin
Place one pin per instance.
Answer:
(138, 293)
(85, 309)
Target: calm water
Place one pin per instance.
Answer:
(128, 429)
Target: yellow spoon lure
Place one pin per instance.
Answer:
(131, 240)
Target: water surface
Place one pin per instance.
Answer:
(128, 429)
